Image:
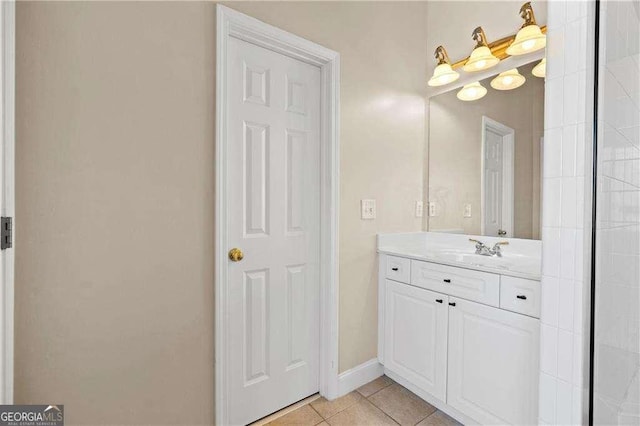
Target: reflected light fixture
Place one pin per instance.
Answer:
(472, 92)
(443, 74)
(529, 37)
(508, 80)
(481, 58)
(540, 70)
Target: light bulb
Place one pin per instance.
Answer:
(472, 92)
(508, 80)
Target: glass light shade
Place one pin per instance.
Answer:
(508, 80)
(472, 92)
(481, 58)
(443, 74)
(540, 70)
(529, 39)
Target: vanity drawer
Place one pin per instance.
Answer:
(520, 295)
(398, 269)
(468, 284)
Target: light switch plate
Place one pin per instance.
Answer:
(467, 210)
(368, 209)
(419, 208)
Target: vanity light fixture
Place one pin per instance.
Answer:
(472, 92)
(443, 74)
(481, 58)
(540, 70)
(529, 37)
(508, 80)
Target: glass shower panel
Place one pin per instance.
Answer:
(616, 392)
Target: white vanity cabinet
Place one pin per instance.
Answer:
(448, 335)
(415, 332)
(492, 364)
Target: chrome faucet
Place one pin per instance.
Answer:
(483, 250)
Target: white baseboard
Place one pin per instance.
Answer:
(358, 376)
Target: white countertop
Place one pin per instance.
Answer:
(521, 258)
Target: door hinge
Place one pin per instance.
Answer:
(6, 233)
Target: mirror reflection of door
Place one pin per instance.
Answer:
(511, 123)
(497, 178)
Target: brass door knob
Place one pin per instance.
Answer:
(236, 255)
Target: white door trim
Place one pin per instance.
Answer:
(234, 24)
(508, 159)
(7, 195)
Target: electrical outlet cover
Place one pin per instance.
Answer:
(432, 209)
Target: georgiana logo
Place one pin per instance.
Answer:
(32, 415)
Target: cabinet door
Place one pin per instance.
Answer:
(493, 364)
(416, 336)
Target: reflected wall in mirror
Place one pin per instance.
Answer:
(484, 160)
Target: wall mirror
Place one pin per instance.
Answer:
(485, 158)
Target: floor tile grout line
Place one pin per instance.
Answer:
(340, 411)
(427, 416)
(379, 390)
(313, 408)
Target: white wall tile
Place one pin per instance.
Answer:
(550, 300)
(555, 53)
(569, 144)
(550, 252)
(547, 398)
(569, 215)
(556, 14)
(571, 93)
(566, 303)
(553, 102)
(579, 307)
(564, 403)
(572, 52)
(549, 349)
(553, 148)
(579, 414)
(565, 216)
(579, 354)
(551, 213)
(567, 253)
(565, 355)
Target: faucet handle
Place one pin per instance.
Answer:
(496, 247)
(475, 241)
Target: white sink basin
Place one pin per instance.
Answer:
(506, 261)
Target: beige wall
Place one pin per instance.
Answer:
(114, 176)
(115, 133)
(455, 154)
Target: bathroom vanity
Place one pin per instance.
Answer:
(459, 329)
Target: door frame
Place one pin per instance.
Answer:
(508, 177)
(7, 195)
(231, 23)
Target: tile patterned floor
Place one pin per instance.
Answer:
(380, 402)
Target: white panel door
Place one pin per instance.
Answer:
(416, 336)
(493, 179)
(493, 364)
(274, 218)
